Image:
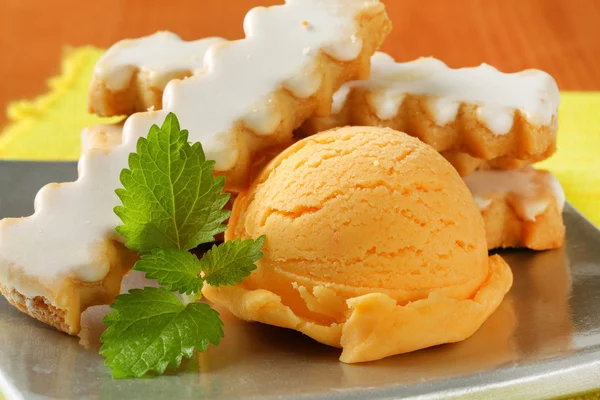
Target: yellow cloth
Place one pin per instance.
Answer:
(576, 164)
(47, 128)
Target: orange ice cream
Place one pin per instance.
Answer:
(374, 244)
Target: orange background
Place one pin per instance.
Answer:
(559, 36)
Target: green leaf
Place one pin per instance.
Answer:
(171, 203)
(232, 261)
(151, 329)
(178, 270)
(171, 199)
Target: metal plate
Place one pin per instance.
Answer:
(543, 341)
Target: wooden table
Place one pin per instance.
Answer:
(559, 36)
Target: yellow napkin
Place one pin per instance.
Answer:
(576, 164)
(47, 128)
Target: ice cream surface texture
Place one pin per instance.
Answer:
(374, 244)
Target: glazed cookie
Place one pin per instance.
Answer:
(466, 164)
(132, 75)
(238, 108)
(521, 207)
(479, 111)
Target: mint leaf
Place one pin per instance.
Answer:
(151, 329)
(171, 199)
(176, 269)
(230, 262)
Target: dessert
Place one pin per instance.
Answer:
(132, 75)
(374, 244)
(237, 108)
(521, 207)
(479, 111)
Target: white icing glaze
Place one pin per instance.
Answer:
(161, 56)
(529, 191)
(72, 220)
(339, 98)
(498, 95)
(482, 203)
(101, 137)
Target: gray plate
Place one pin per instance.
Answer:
(543, 341)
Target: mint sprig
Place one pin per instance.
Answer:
(171, 203)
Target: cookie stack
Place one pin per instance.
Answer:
(301, 69)
(491, 126)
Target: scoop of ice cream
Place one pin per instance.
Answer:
(373, 241)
